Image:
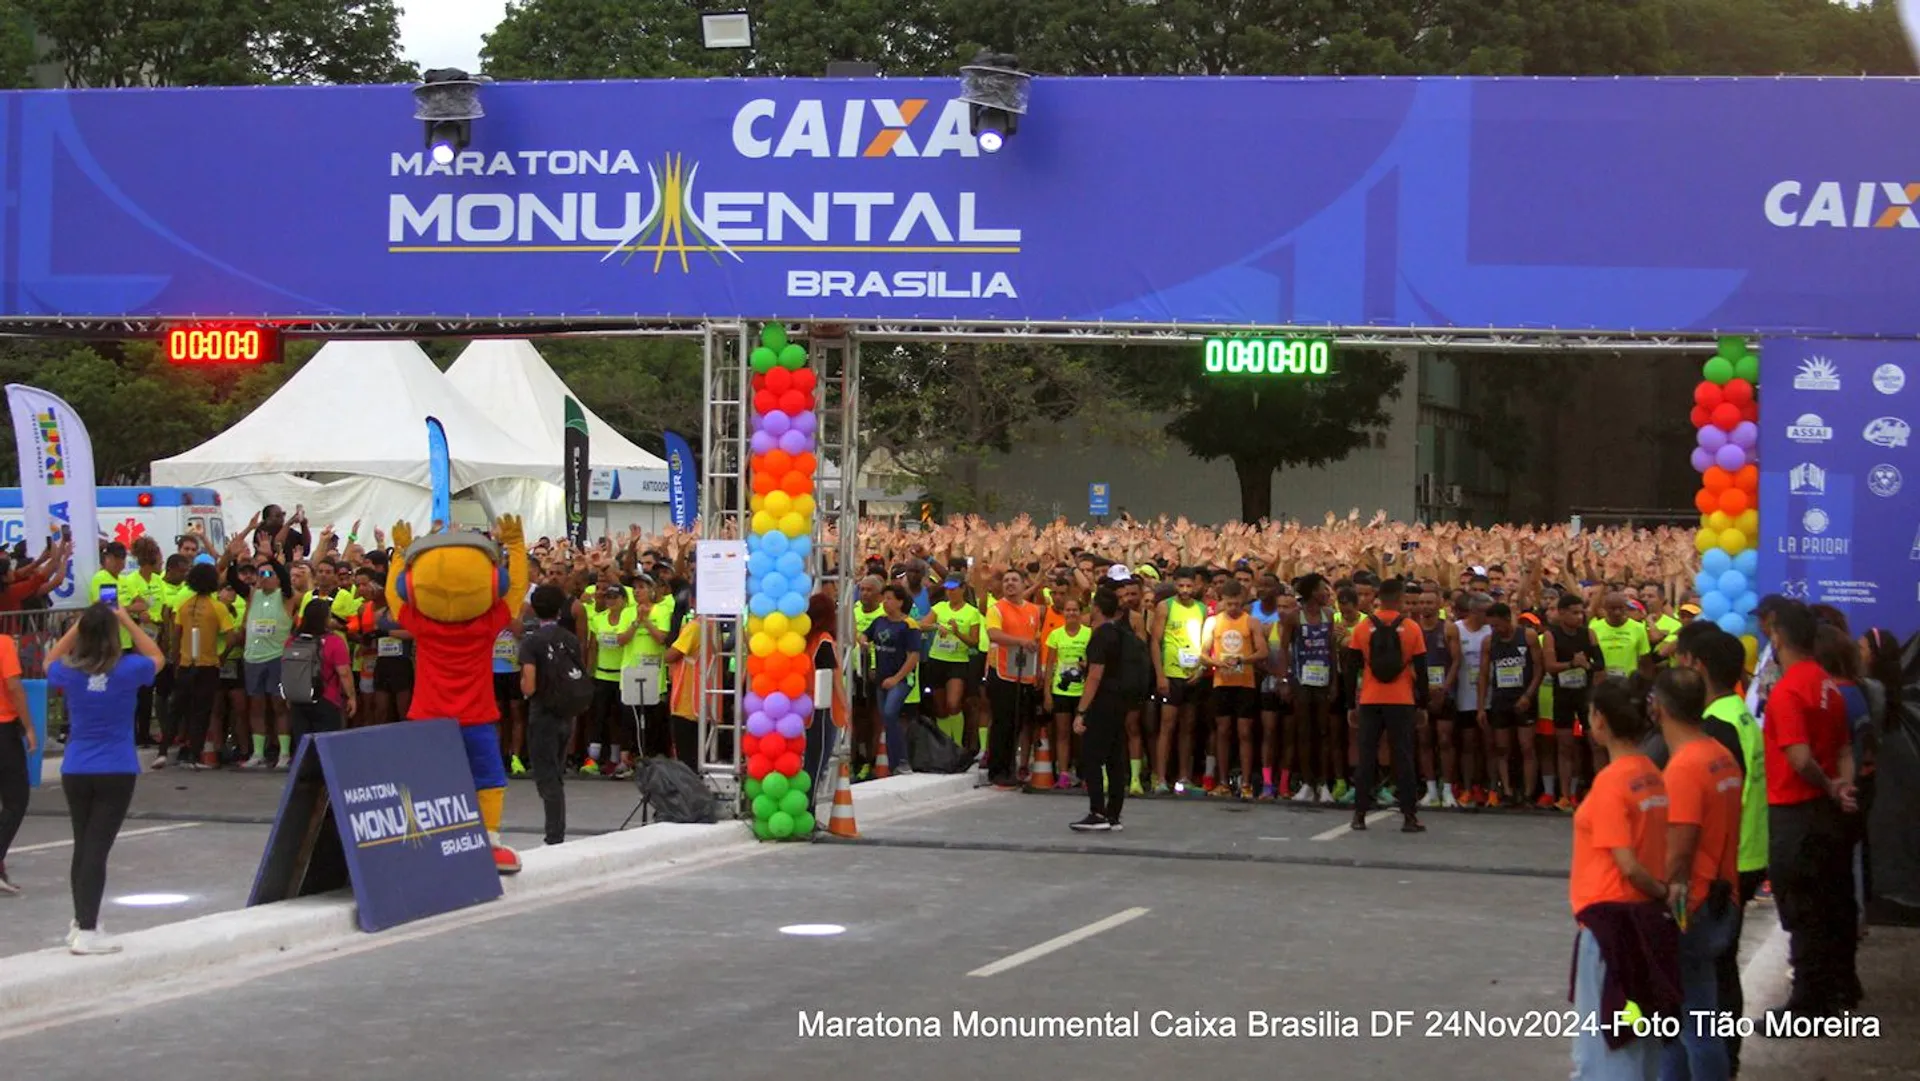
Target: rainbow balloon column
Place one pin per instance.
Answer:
(1726, 413)
(779, 541)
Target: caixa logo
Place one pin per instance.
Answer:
(859, 128)
(1834, 204)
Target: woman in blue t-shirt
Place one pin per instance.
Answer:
(101, 684)
(896, 653)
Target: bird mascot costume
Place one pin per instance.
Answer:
(451, 590)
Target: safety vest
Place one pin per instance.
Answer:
(839, 709)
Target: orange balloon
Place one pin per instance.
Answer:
(795, 483)
(804, 462)
(1747, 479)
(793, 685)
(764, 482)
(764, 685)
(1706, 501)
(1733, 501)
(776, 462)
(777, 665)
(1716, 479)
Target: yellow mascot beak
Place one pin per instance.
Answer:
(452, 584)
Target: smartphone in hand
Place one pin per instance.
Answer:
(110, 596)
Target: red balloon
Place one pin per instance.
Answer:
(758, 766)
(773, 745)
(1726, 415)
(749, 745)
(793, 685)
(779, 380)
(766, 401)
(794, 403)
(803, 462)
(804, 380)
(1733, 501)
(1747, 479)
(796, 483)
(1706, 502)
(1716, 480)
(788, 763)
(764, 685)
(1701, 416)
(1708, 394)
(759, 383)
(1737, 391)
(1750, 412)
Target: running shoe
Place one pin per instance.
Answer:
(590, 768)
(1344, 798)
(1247, 792)
(1134, 789)
(92, 943)
(516, 767)
(1113, 825)
(210, 759)
(1545, 802)
(1220, 791)
(159, 761)
(1093, 823)
(1468, 799)
(1564, 805)
(1339, 790)
(1160, 788)
(1066, 780)
(1432, 797)
(1268, 794)
(1383, 796)
(1478, 796)
(1025, 775)
(6, 884)
(623, 772)
(1305, 792)
(256, 762)
(1447, 798)
(1494, 800)
(1765, 892)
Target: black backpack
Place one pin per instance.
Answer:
(672, 792)
(1386, 660)
(1136, 664)
(300, 671)
(561, 684)
(932, 751)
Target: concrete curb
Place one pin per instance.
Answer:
(47, 982)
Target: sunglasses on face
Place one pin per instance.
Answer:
(264, 572)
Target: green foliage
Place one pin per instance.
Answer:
(641, 386)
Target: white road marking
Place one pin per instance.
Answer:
(1347, 827)
(123, 835)
(1053, 945)
(1276, 838)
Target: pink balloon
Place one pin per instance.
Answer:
(1730, 457)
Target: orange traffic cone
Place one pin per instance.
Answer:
(840, 824)
(881, 767)
(1040, 777)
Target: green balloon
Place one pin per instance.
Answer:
(801, 782)
(773, 336)
(764, 805)
(775, 785)
(781, 824)
(1733, 346)
(793, 357)
(1747, 368)
(764, 359)
(1717, 371)
(761, 830)
(751, 788)
(793, 802)
(803, 825)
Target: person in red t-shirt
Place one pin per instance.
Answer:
(1810, 801)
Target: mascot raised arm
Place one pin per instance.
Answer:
(455, 592)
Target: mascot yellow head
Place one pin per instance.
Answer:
(452, 577)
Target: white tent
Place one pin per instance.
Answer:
(346, 437)
(512, 384)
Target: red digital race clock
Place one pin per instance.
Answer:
(221, 343)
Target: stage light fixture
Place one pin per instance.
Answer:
(448, 102)
(726, 29)
(995, 90)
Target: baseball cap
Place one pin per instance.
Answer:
(952, 583)
(1690, 609)
(1148, 570)
(1119, 573)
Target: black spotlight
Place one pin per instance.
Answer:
(449, 102)
(995, 90)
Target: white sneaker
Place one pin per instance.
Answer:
(73, 929)
(92, 943)
(159, 761)
(1432, 797)
(1446, 797)
(256, 762)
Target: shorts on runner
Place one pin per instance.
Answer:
(1235, 702)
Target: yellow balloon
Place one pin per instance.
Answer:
(762, 645)
(803, 505)
(776, 624)
(757, 503)
(1753, 649)
(795, 525)
(1719, 522)
(1704, 541)
(764, 522)
(779, 503)
(792, 644)
(1748, 522)
(755, 625)
(1733, 542)
(800, 625)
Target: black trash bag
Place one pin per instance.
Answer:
(673, 792)
(933, 751)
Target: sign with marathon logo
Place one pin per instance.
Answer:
(389, 810)
(1835, 417)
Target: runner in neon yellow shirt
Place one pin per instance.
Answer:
(1064, 680)
(952, 625)
(1623, 641)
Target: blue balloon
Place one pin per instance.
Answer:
(760, 605)
(800, 546)
(1747, 562)
(1747, 602)
(775, 542)
(1733, 583)
(793, 604)
(775, 583)
(1733, 623)
(1705, 582)
(791, 564)
(1716, 562)
(1714, 605)
(760, 563)
(801, 584)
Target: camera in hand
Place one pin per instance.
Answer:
(1069, 676)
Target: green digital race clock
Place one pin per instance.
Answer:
(1268, 356)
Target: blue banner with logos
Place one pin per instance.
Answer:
(1839, 522)
(683, 500)
(406, 825)
(1755, 205)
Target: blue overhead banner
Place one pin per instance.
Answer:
(1761, 205)
(1839, 523)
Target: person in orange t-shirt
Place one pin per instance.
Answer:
(1230, 645)
(1703, 864)
(16, 743)
(1388, 704)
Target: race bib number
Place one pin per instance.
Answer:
(1436, 676)
(609, 640)
(1270, 685)
(1572, 678)
(945, 643)
(1188, 659)
(506, 648)
(1616, 673)
(1509, 677)
(1315, 674)
(262, 628)
(390, 647)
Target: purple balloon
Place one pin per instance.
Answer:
(777, 705)
(1702, 459)
(806, 422)
(763, 442)
(794, 442)
(1712, 438)
(1745, 435)
(792, 727)
(753, 703)
(759, 724)
(1730, 457)
(775, 422)
(803, 705)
